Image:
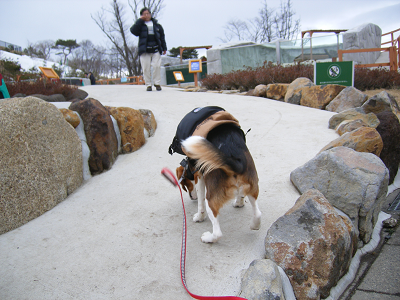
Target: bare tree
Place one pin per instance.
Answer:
(89, 58)
(45, 48)
(270, 24)
(285, 27)
(117, 30)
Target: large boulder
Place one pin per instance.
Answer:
(380, 103)
(348, 98)
(350, 125)
(389, 130)
(50, 98)
(262, 281)
(362, 37)
(291, 96)
(354, 182)
(131, 128)
(77, 94)
(319, 96)
(150, 123)
(313, 244)
(354, 114)
(277, 91)
(41, 160)
(260, 90)
(100, 134)
(364, 139)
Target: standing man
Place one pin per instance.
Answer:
(151, 46)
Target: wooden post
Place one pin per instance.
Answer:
(195, 80)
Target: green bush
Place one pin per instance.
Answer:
(244, 80)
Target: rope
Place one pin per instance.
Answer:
(171, 178)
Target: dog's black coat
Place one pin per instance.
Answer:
(231, 143)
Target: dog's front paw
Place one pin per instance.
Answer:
(255, 224)
(208, 237)
(199, 217)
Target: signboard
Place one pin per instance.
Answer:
(195, 66)
(341, 73)
(49, 73)
(178, 76)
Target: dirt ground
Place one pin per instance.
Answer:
(394, 92)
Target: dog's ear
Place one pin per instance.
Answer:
(179, 172)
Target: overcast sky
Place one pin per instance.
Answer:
(185, 22)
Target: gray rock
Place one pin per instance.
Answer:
(313, 244)
(354, 182)
(348, 98)
(353, 114)
(41, 160)
(362, 37)
(382, 102)
(262, 281)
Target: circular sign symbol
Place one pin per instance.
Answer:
(333, 71)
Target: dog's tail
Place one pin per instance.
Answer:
(209, 157)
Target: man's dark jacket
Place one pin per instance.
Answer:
(140, 29)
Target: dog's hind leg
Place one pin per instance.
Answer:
(201, 201)
(239, 200)
(209, 237)
(256, 221)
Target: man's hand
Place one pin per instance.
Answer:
(164, 52)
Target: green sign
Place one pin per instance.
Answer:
(341, 73)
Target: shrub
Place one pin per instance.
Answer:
(249, 78)
(40, 86)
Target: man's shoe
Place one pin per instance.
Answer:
(149, 89)
(158, 87)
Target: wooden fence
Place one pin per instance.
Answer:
(394, 53)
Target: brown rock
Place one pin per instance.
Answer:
(348, 98)
(354, 114)
(350, 125)
(70, 116)
(131, 127)
(100, 134)
(319, 96)
(313, 244)
(364, 139)
(277, 91)
(150, 123)
(291, 96)
(260, 90)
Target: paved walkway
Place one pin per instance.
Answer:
(119, 235)
(378, 277)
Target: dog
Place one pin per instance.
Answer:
(223, 169)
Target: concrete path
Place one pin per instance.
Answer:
(119, 235)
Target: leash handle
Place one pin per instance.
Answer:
(171, 178)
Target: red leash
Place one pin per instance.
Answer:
(171, 177)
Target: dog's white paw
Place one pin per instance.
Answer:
(255, 224)
(238, 202)
(199, 217)
(208, 237)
